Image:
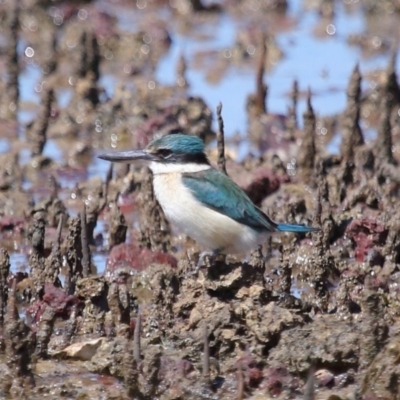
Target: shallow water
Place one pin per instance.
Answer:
(322, 63)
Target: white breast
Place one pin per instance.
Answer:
(209, 228)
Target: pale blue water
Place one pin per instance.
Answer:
(320, 64)
(29, 77)
(4, 145)
(100, 261)
(19, 262)
(323, 64)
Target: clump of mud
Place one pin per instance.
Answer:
(302, 317)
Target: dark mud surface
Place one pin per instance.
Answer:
(97, 295)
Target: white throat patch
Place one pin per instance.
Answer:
(166, 168)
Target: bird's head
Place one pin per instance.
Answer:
(169, 149)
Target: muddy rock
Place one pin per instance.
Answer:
(118, 226)
(307, 150)
(108, 358)
(96, 316)
(264, 184)
(380, 379)
(20, 343)
(154, 227)
(10, 172)
(322, 342)
(279, 380)
(4, 272)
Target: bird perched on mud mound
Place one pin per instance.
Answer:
(200, 200)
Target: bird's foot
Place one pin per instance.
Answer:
(206, 259)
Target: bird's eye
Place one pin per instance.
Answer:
(164, 153)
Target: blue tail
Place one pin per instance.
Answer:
(295, 228)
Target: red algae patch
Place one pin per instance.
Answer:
(132, 258)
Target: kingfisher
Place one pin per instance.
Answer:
(200, 200)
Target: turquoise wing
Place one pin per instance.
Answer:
(218, 192)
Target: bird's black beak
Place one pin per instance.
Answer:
(126, 156)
